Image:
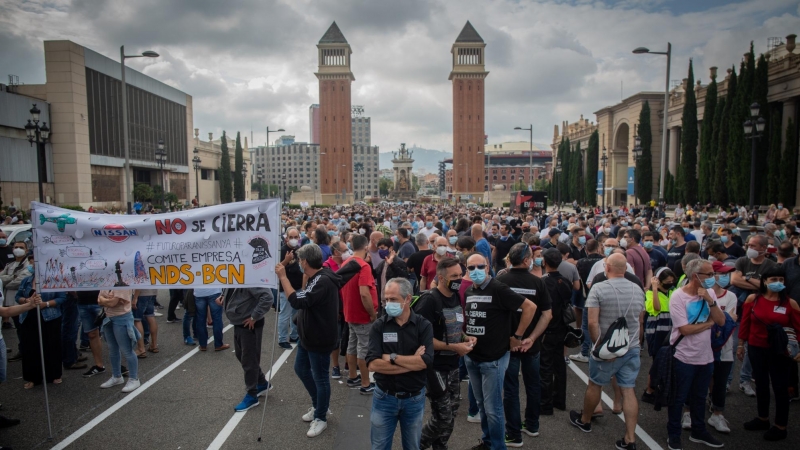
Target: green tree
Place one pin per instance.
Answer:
(171, 199)
(644, 166)
(788, 180)
(238, 174)
(721, 177)
(705, 177)
(736, 141)
(688, 170)
(142, 192)
(385, 186)
(774, 159)
(225, 182)
(576, 173)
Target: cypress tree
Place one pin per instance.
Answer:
(576, 178)
(592, 153)
(225, 182)
(788, 180)
(238, 176)
(644, 166)
(760, 87)
(705, 177)
(722, 178)
(774, 163)
(688, 170)
(713, 146)
(736, 142)
(747, 98)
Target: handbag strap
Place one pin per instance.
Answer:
(680, 338)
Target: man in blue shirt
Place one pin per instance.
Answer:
(481, 244)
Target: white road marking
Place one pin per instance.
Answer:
(238, 416)
(129, 397)
(646, 438)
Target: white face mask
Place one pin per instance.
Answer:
(441, 250)
(347, 254)
(623, 243)
(293, 243)
(361, 231)
(752, 253)
(18, 252)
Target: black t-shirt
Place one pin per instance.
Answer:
(501, 249)
(415, 262)
(488, 312)
(674, 256)
(88, 297)
(447, 318)
(531, 287)
(6, 256)
(576, 253)
(293, 272)
(387, 337)
(735, 250)
(559, 289)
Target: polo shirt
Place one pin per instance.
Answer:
(387, 337)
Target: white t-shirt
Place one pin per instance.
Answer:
(727, 303)
(600, 266)
(427, 232)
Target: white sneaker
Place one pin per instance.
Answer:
(579, 358)
(747, 388)
(309, 416)
(686, 422)
(474, 419)
(113, 381)
(132, 385)
(316, 428)
(157, 314)
(719, 423)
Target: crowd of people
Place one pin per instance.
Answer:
(427, 297)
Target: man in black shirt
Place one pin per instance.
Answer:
(553, 368)
(521, 281)
(400, 353)
(731, 247)
(442, 308)
(502, 245)
(577, 246)
(415, 260)
(489, 307)
(676, 249)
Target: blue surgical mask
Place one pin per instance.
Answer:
(582, 240)
(776, 286)
(538, 261)
(3, 242)
(608, 251)
(428, 224)
(708, 283)
(724, 239)
(723, 281)
(31, 269)
(648, 245)
(394, 309)
(452, 240)
(331, 233)
(300, 265)
(478, 276)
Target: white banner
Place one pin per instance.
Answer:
(235, 244)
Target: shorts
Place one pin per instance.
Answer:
(88, 315)
(625, 368)
(578, 300)
(359, 339)
(793, 348)
(145, 307)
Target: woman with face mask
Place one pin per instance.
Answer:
(11, 276)
(769, 307)
(659, 323)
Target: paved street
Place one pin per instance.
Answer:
(187, 397)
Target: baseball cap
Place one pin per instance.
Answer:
(720, 267)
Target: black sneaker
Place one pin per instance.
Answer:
(367, 390)
(354, 382)
(705, 438)
(529, 431)
(94, 371)
(285, 345)
(511, 442)
(575, 419)
(175, 320)
(775, 434)
(756, 425)
(674, 443)
(123, 370)
(5, 422)
(621, 445)
(480, 446)
(16, 357)
(649, 398)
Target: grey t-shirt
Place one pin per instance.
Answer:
(569, 271)
(616, 298)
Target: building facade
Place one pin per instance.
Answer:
(362, 131)
(205, 178)
(313, 124)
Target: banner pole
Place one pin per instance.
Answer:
(41, 341)
(271, 361)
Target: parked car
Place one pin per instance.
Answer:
(17, 233)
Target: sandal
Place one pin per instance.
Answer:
(153, 350)
(28, 385)
(58, 381)
(142, 355)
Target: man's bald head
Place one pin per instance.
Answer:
(616, 265)
(477, 231)
(374, 237)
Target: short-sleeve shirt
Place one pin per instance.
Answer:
(488, 313)
(674, 256)
(531, 287)
(754, 271)
(684, 309)
(446, 315)
(387, 337)
(658, 258)
(727, 303)
(569, 271)
(428, 270)
(406, 249)
(639, 260)
(354, 311)
(618, 297)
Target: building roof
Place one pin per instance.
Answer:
(333, 36)
(468, 34)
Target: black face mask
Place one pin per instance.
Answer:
(454, 285)
(668, 286)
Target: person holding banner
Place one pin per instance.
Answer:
(121, 336)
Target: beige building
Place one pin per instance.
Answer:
(205, 179)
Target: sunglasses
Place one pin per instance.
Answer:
(478, 267)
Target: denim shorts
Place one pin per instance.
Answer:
(625, 368)
(88, 315)
(145, 307)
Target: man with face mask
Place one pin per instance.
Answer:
(287, 329)
(452, 238)
(400, 352)
(6, 251)
(657, 254)
(502, 245)
(429, 264)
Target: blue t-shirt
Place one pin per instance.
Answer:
(207, 292)
(482, 246)
(658, 257)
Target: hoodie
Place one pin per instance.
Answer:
(244, 303)
(317, 311)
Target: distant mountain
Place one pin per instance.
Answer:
(423, 158)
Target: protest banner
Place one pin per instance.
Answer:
(235, 244)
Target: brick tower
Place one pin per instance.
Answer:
(468, 76)
(335, 130)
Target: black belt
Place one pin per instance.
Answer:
(403, 395)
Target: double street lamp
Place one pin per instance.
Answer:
(604, 164)
(558, 186)
(161, 159)
(196, 162)
(753, 128)
(530, 157)
(38, 134)
(637, 154)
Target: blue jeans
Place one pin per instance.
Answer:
(69, 331)
(486, 379)
(691, 388)
(387, 411)
(312, 369)
(285, 320)
(121, 336)
(587, 341)
(473, 404)
(202, 304)
(189, 325)
(533, 391)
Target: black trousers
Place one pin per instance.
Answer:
(51, 342)
(553, 371)
(771, 368)
(247, 344)
(444, 408)
(175, 297)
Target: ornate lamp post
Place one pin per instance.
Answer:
(161, 159)
(753, 128)
(196, 162)
(637, 153)
(558, 187)
(604, 164)
(530, 157)
(38, 135)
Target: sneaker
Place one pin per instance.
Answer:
(123, 370)
(17, 357)
(480, 446)
(510, 442)
(686, 421)
(113, 381)
(309, 415)
(132, 385)
(674, 443)
(175, 320)
(336, 373)
(247, 402)
(528, 431)
(747, 389)
(84, 348)
(719, 423)
(316, 428)
(94, 371)
(756, 425)
(622, 445)
(189, 341)
(367, 390)
(566, 360)
(263, 388)
(474, 419)
(354, 382)
(578, 357)
(705, 438)
(649, 398)
(5, 422)
(575, 420)
(285, 345)
(158, 314)
(775, 434)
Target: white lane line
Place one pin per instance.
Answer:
(128, 398)
(238, 416)
(646, 438)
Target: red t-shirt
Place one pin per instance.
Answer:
(428, 271)
(354, 311)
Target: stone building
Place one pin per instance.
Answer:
(205, 178)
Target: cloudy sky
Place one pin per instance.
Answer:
(250, 63)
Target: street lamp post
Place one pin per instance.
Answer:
(283, 177)
(196, 161)
(604, 164)
(637, 154)
(122, 58)
(530, 157)
(161, 158)
(244, 177)
(38, 135)
(260, 177)
(668, 54)
(752, 130)
(558, 187)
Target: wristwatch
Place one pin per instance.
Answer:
(392, 357)
(712, 305)
(518, 337)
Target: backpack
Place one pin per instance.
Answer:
(616, 341)
(721, 334)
